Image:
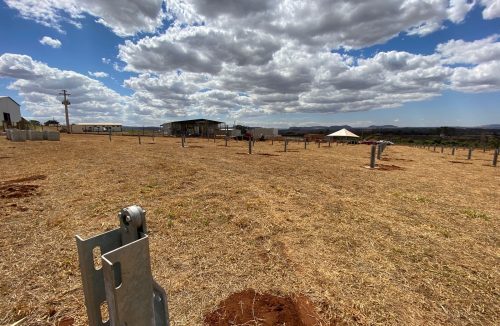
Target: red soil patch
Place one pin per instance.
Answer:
(263, 309)
(17, 191)
(13, 189)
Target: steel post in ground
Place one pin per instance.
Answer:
(372, 157)
(495, 156)
(469, 155)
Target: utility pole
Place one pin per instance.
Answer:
(66, 103)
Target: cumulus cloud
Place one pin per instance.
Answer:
(39, 85)
(98, 74)
(299, 80)
(123, 17)
(335, 23)
(198, 49)
(477, 64)
(248, 59)
(55, 43)
(475, 52)
(492, 9)
(482, 78)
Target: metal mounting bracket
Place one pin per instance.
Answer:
(124, 281)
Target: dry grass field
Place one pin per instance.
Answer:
(414, 243)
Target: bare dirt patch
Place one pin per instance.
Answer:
(395, 159)
(267, 154)
(17, 190)
(251, 308)
(388, 167)
(460, 162)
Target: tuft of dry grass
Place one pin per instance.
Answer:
(416, 243)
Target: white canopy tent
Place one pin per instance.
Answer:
(343, 133)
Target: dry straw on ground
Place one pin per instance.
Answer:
(416, 244)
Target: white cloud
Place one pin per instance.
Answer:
(482, 78)
(458, 9)
(478, 64)
(98, 74)
(250, 59)
(123, 17)
(475, 52)
(198, 49)
(334, 23)
(300, 80)
(39, 85)
(492, 9)
(55, 43)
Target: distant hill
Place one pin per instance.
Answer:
(383, 127)
(492, 126)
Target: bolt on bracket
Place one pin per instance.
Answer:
(124, 281)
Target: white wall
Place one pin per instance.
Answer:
(7, 105)
(266, 132)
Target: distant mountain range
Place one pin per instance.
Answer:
(492, 126)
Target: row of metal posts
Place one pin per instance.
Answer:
(469, 153)
(380, 147)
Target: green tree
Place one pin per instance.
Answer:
(51, 122)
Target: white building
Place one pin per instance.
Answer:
(10, 112)
(268, 133)
(81, 128)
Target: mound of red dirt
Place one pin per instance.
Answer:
(249, 306)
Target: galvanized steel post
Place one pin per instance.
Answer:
(372, 157)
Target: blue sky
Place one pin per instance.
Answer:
(268, 63)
